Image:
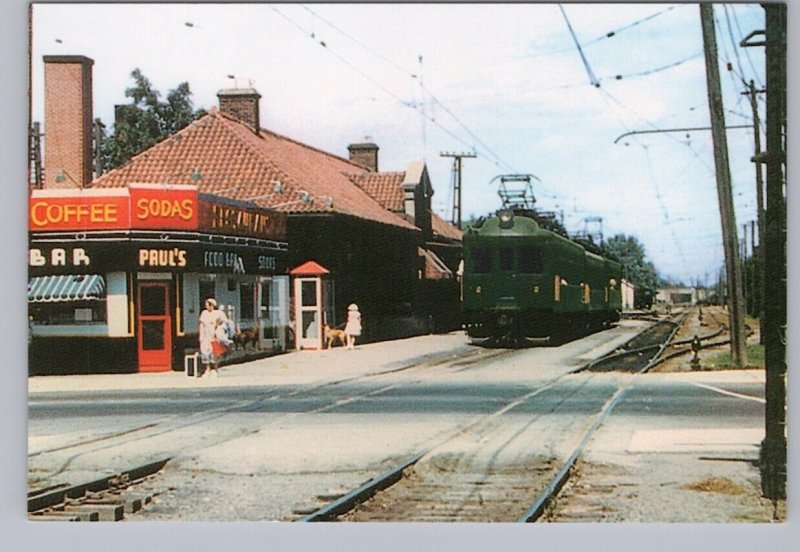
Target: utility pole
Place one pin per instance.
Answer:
(773, 448)
(727, 215)
(760, 205)
(98, 150)
(457, 157)
(745, 280)
(36, 154)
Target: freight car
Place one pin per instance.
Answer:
(522, 282)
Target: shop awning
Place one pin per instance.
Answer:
(69, 287)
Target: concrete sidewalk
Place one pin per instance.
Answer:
(296, 367)
(316, 367)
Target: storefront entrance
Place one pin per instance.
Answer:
(154, 327)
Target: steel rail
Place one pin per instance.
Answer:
(539, 506)
(362, 493)
(57, 495)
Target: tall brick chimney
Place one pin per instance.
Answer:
(67, 121)
(241, 103)
(365, 154)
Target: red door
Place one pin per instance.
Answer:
(154, 327)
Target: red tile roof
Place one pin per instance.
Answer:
(387, 190)
(266, 168)
(445, 229)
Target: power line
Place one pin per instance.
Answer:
(592, 78)
(746, 50)
(419, 77)
(358, 70)
(610, 34)
(656, 70)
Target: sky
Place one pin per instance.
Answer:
(507, 82)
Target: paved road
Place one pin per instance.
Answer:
(269, 436)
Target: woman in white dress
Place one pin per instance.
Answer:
(210, 319)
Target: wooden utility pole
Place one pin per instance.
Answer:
(773, 449)
(457, 157)
(727, 215)
(752, 92)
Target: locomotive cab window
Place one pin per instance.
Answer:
(530, 259)
(481, 260)
(506, 259)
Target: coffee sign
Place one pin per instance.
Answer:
(86, 210)
(144, 207)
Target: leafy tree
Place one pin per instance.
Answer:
(146, 120)
(631, 254)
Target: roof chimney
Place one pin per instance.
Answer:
(242, 104)
(365, 154)
(67, 121)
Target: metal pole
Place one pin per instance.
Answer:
(773, 450)
(729, 238)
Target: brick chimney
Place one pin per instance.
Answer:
(242, 104)
(67, 121)
(365, 154)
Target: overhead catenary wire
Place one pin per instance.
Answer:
(610, 34)
(485, 151)
(592, 77)
(419, 77)
(358, 70)
(747, 50)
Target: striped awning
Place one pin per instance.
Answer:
(69, 287)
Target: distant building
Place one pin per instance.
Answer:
(678, 296)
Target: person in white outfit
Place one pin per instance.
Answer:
(353, 328)
(211, 319)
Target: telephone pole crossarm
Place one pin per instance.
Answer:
(457, 157)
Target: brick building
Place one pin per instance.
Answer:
(373, 233)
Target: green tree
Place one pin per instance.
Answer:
(631, 254)
(146, 120)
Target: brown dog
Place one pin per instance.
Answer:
(332, 334)
(246, 337)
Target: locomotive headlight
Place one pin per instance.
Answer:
(612, 282)
(506, 217)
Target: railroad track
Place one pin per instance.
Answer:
(437, 485)
(64, 456)
(106, 499)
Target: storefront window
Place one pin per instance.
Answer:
(207, 289)
(246, 300)
(68, 312)
(67, 300)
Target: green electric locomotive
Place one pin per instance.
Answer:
(523, 282)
